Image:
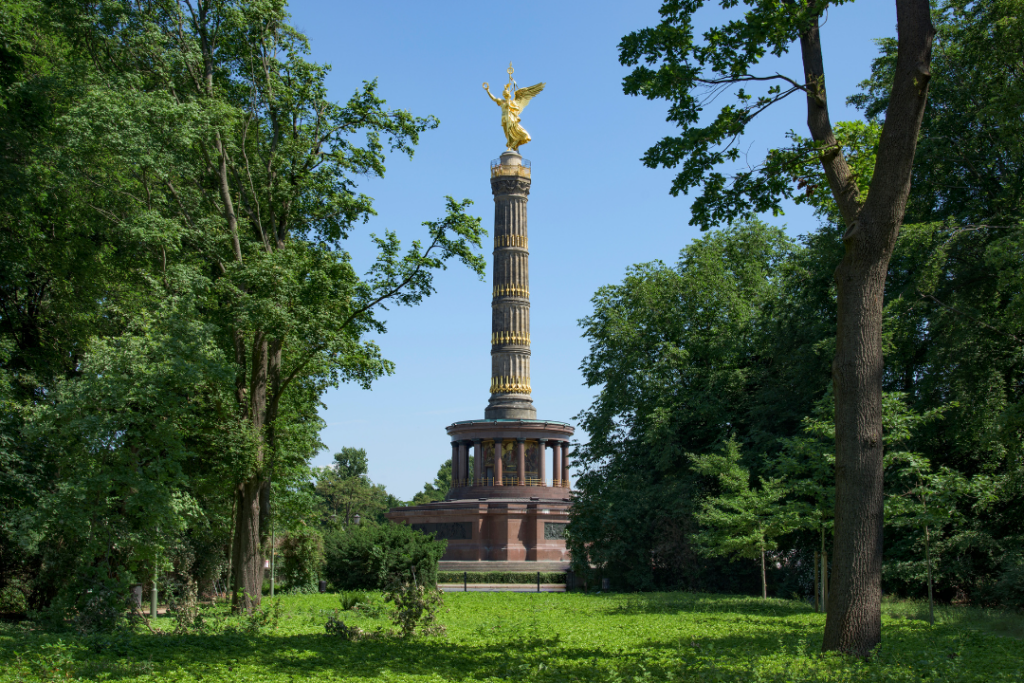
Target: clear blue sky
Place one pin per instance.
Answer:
(594, 208)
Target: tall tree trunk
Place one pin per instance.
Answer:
(254, 490)
(854, 608)
(928, 559)
(764, 580)
(250, 568)
(854, 622)
(235, 583)
(822, 569)
(814, 573)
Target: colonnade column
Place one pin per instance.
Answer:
(565, 464)
(455, 461)
(461, 459)
(478, 457)
(521, 461)
(497, 463)
(556, 463)
(542, 462)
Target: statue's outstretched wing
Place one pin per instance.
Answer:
(524, 95)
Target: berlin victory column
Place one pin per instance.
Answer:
(507, 509)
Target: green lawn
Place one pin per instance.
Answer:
(543, 637)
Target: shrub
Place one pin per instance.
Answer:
(303, 553)
(350, 599)
(416, 608)
(367, 557)
(1009, 584)
(500, 577)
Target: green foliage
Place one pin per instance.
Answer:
(952, 316)
(547, 638)
(177, 295)
(438, 489)
(741, 521)
(679, 354)
(344, 491)
(415, 608)
(1008, 585)
(351, 462)
(351, 599)
(372, 556)
(972, 126)
(500, 577)
(303, 552)
(690, 72)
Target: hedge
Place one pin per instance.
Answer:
(500, 577)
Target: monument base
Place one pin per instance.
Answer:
(506, 529)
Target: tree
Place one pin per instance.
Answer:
(680, 353)
(741, 522)
(345, 490)
(438, 489)
(807, 463)
(725, 59)
(351, 462)
(927, 501)
(263, 177)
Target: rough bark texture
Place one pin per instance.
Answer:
(854, 622)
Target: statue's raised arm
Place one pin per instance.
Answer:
(487, 87)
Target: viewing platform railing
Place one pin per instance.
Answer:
(499, 169)
(507, 480)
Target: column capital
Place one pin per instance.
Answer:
(520, 439)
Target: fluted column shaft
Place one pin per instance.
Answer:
(542, 452)
(510, 304)
(565, 464)
(521, 461)
(478, 461)
(556, 463)
(461, 461)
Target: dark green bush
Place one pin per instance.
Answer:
(370, 557)
(303, 553)
(500, 577)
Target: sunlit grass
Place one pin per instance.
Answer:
(543, 638)
(997, 621)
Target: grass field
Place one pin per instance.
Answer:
(544, 638)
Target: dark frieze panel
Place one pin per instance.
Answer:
(554, 531)
(448, 531)
(510, 186)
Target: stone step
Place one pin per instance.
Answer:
(501, 566)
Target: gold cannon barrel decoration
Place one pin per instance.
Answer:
(510, 338)
(510, 385)
(512, 290)
(510, 241)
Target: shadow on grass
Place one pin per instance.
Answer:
(675, 603)
(733, 647)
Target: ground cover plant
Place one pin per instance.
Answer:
(544, 638)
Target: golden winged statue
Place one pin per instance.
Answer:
(512, 105)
